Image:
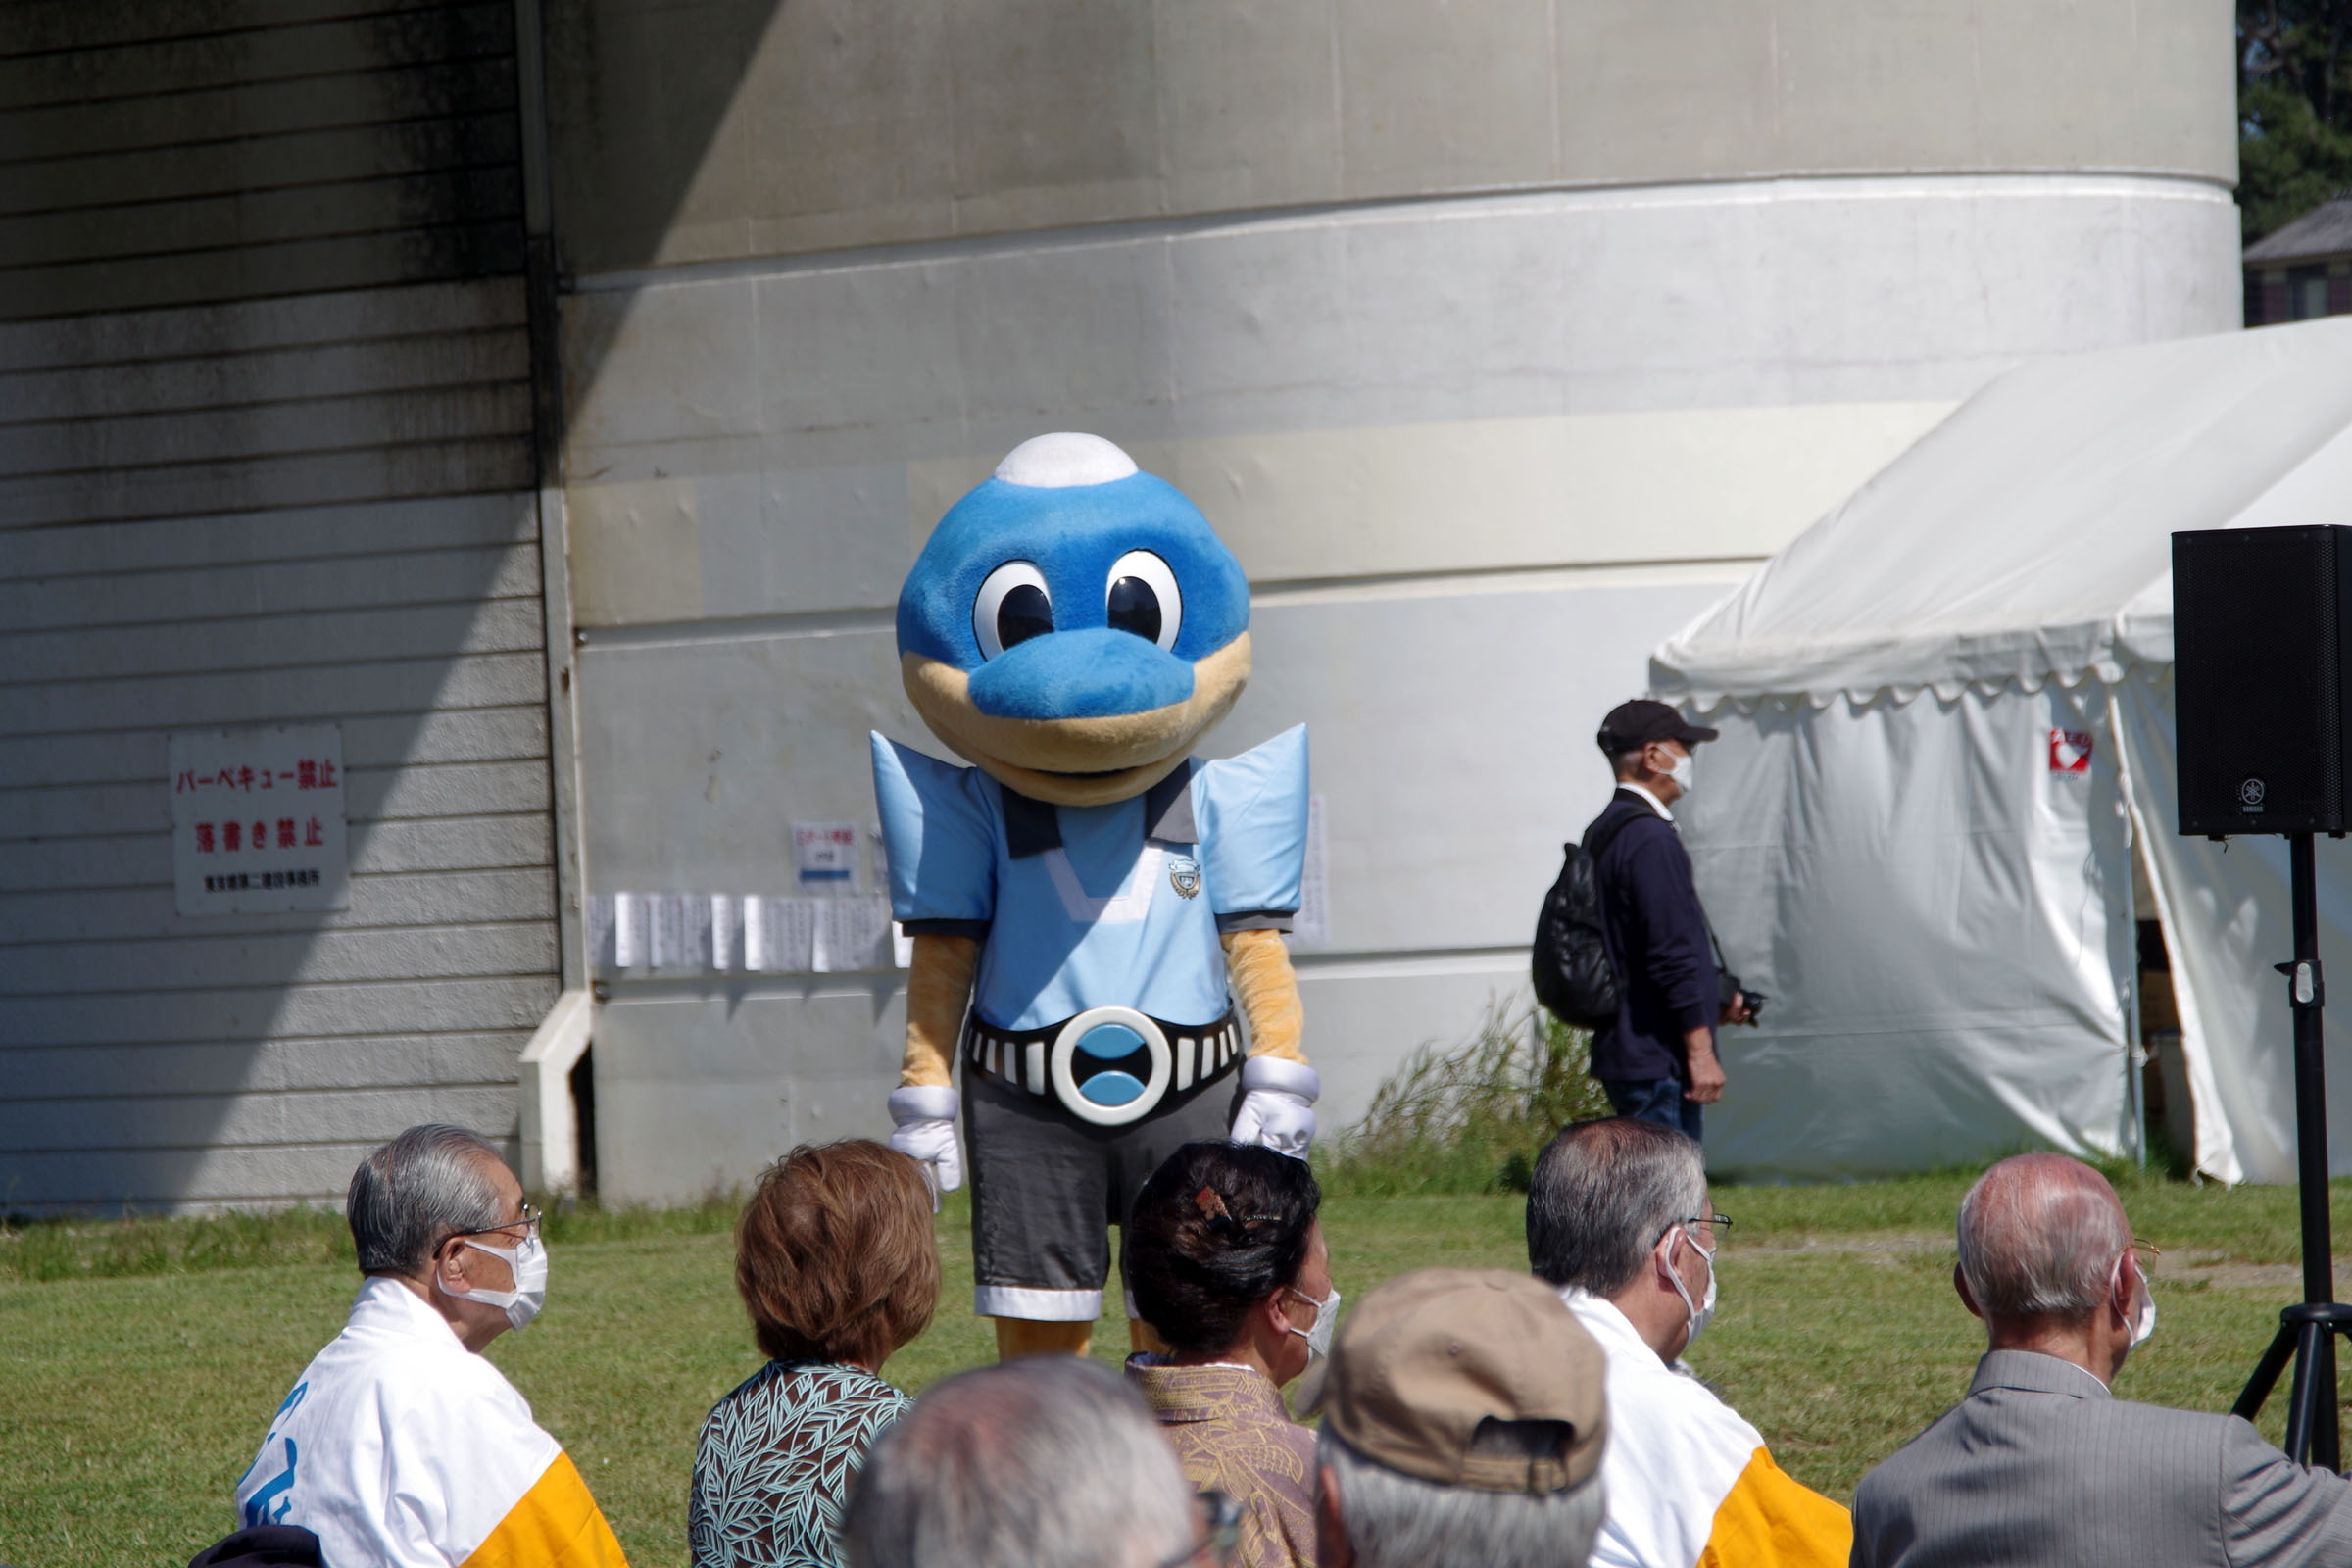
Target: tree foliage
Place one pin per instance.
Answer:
(2294, 108)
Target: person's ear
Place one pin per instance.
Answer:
(1960, 1284)
(1661, 1258)
(1331, 1536)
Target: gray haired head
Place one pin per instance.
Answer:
(2040, 1235)
(422, 1188)
(1393, 1520)
(1046, 1463)
(1602, 1194)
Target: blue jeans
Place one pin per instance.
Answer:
(1658, 1099)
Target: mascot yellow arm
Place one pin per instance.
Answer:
(1257, 965)
(939, 983)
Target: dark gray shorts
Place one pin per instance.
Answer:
(1047, 1187)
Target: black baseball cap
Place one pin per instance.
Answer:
(1640, 721)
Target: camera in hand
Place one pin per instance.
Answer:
(1729, 989)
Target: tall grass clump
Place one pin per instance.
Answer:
(1471, 1116)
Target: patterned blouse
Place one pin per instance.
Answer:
(1230, 1433)
(772, 1476)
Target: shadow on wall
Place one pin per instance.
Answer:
(264, 352)
(637, 92)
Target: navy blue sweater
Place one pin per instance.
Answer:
(1657, 938)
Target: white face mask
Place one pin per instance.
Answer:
(1680, 773)
(1705, 1312)
(1317, 1334)
(2144, 1322)
(528, 1265)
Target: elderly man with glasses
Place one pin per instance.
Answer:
(400, 1446)
(2040, 1464)
(1618, 1221)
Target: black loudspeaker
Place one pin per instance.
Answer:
(2262, 679)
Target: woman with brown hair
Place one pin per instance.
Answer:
(836, 1264)
(1227, 1264)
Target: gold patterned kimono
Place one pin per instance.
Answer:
(1231, 1434)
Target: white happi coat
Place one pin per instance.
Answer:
(401, 1448)
(1689, 1480)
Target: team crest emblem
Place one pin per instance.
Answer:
(1184, 875)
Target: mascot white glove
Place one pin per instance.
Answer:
(926, 1130)
(1278, 1105)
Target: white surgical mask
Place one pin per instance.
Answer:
(528, 1265)
(1680, 773)
(1317, 1334)
(1704, 1312)
(2144, 1322)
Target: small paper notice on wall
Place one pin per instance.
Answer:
(825, 852)
(785, 940)
(853, 934)
(667, 950)
(1310, 927)
(257, 820)
(603, 928)
(726, 932)
(628, 930)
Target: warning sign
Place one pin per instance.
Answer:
(257, 820)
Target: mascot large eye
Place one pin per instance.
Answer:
(1142, 598)
(1013, 608)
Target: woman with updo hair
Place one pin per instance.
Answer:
(1226, 1261)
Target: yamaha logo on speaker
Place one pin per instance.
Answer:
(2249, 795)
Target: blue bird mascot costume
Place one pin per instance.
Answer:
(1096, 913)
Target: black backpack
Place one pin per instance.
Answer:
(1574, 978)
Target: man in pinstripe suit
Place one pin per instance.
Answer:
(2040, 1464)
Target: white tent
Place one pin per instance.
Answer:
(1900, 837)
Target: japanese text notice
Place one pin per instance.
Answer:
(257, 820)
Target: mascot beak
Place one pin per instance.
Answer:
(1078, 718)
(1095, 673)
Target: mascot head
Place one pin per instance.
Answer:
(1073, 627)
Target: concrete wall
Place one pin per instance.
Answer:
(1498, 339)
(696, 130)
(266, 459)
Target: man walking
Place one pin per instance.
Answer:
(1656, 1059)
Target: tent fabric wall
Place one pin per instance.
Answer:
(2226, 919)
(2018, 554)
(1944, 934)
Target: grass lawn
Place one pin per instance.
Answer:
(130, 1404)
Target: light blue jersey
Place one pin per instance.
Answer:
(1083, 907)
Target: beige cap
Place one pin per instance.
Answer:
(1426, 1360)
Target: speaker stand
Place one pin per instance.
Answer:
(2307, 1330)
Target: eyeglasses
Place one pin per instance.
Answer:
(1710, 1222)
(529, 1219)
(1221, 1527)
(2146, 1249)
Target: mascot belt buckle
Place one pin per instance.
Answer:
(1111, 1067)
